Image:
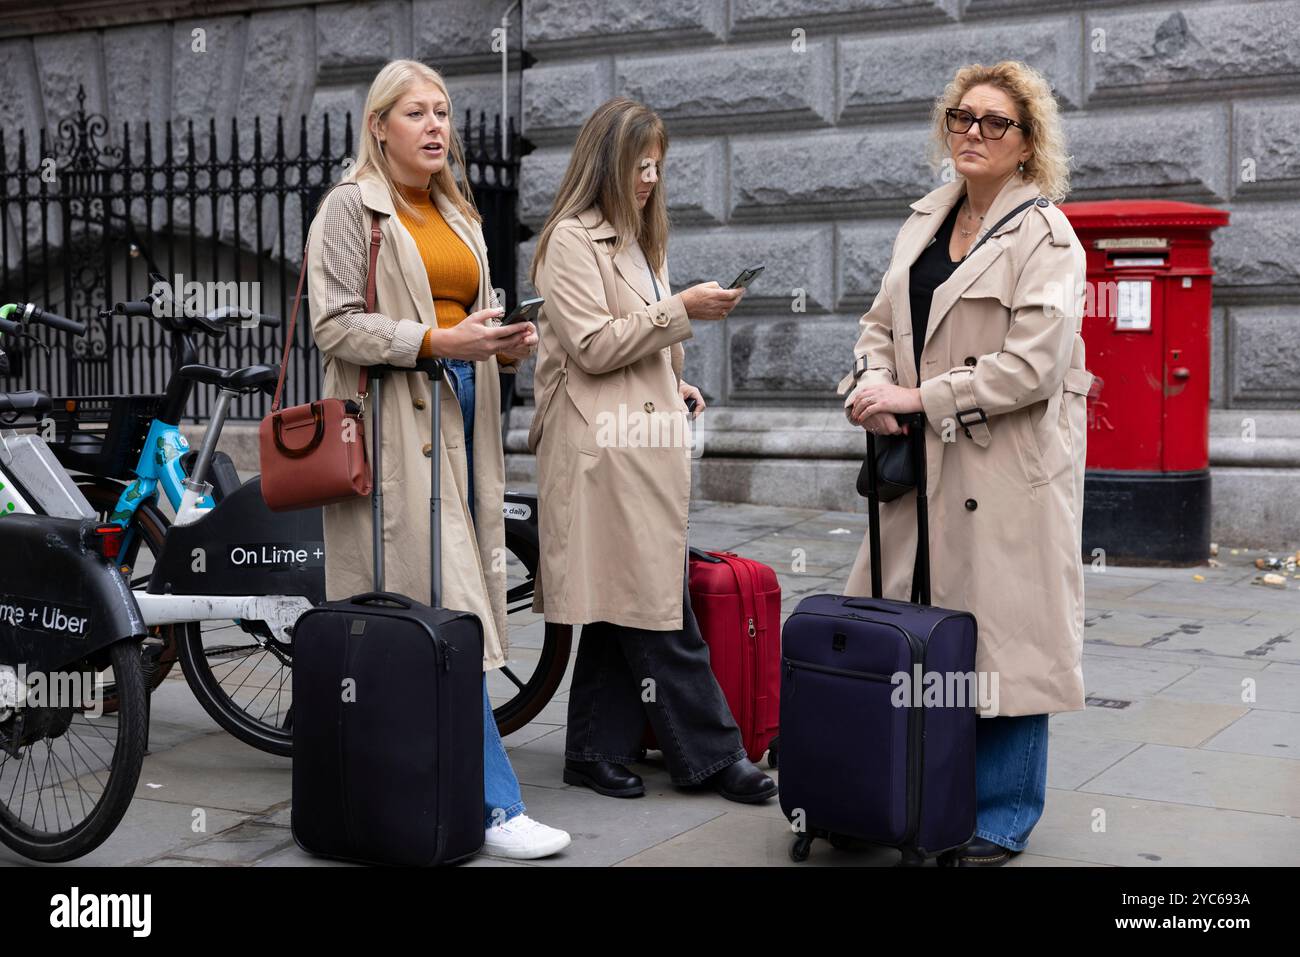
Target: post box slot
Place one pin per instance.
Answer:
(1121, 259)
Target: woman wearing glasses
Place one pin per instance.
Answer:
(985, 343)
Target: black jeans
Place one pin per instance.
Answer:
(624, 676)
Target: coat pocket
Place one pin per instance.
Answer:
(593, 397)
(1031, 457)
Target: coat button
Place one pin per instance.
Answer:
(418, 403)
(969, 360)
(649, 407)
(971, 504)
(428, 450)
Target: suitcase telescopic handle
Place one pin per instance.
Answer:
(915, 421)
(433, 368)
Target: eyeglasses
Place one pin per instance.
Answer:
(992, 127)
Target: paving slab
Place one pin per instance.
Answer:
(1271, 734)
(216, 771)
(1128, 832)
(1214, 779)
(149, 829)
(1275, 688)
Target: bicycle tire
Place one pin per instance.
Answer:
(552, 663)
(123, 775)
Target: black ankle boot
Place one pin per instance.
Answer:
(742, 782)
(604, 777)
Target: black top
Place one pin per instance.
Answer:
(931, 269)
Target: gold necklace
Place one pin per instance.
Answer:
(965, 233)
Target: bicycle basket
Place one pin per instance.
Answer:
(102, 435)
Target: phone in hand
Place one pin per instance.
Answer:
(746, 277)
(526, 311)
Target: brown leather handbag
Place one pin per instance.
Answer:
(315, 454)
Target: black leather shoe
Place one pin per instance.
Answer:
(743, 782)
(604, 777)
(982, 853)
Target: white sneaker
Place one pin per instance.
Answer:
(523, 838)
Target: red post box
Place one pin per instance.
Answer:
(1147, 331)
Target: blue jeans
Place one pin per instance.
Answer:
(462, 377)
(1010, 777)
(501, 797)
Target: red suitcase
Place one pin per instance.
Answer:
(737, 602)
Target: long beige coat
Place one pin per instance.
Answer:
(473, 572)
(1006, 499)
(610, 434)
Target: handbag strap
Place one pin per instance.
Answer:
(363, 381)
(1002, 222)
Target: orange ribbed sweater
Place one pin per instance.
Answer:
(450, 265)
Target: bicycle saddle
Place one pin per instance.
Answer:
(29, 401)
(247, 379)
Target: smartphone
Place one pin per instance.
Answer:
(526, 311)
(746, 277)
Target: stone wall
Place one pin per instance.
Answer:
(798, 131)
(798, 135)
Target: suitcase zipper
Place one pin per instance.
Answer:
(791, 665)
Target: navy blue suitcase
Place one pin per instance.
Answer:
(861, 759)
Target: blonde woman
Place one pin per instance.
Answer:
(986, 346)
(613, 512)
(433, 298)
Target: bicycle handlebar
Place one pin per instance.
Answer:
(27, 313)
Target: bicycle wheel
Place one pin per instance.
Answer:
(242, 675)
(66, 775)
(158, 650)
(535, 668)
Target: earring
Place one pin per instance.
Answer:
(1021, 168)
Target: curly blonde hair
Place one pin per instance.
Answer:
(1048, 164)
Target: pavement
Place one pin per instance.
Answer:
(1188, 754)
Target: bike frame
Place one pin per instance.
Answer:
(159, 467)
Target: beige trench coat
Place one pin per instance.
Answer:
(610, 434)
(1005, 498)
(473, 574)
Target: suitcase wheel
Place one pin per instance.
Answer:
(911, 858)
(949, 858)
(773, 753)
(800, 847)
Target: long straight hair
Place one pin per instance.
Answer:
(394, 81)
(603, 170)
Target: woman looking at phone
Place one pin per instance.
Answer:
(613, 513)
